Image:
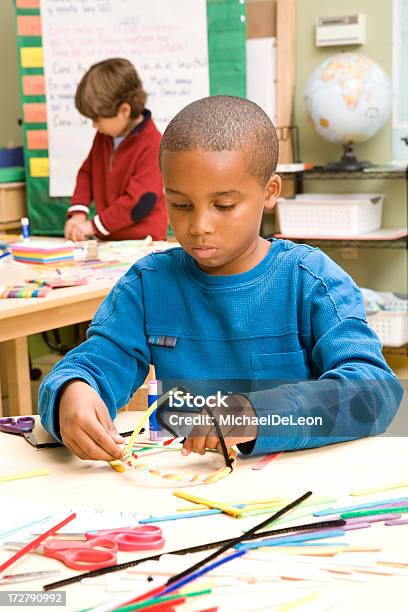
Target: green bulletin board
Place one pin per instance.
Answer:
(227, 71)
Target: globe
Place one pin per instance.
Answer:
(348, 98)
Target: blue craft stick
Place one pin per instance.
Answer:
(183, 515)
(6, 534)
(179, 583)
(331, 544)
(381, 502)
(179, 515)
(285, 540)
(4, 255)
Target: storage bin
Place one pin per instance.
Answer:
(12, 202)
(390, 327)
(325, 215)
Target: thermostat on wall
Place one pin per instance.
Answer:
(346, 30)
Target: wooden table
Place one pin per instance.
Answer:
(334, 470)
(20, 318)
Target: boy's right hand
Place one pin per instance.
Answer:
(85, 424)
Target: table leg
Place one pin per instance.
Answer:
(18, 376)
(3, 380)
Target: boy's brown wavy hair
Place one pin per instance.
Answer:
(107, 85)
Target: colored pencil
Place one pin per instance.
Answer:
(36, 542)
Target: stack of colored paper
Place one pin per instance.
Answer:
(43, 252)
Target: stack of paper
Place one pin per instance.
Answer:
(43, 252)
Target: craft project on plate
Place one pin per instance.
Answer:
(133, 449)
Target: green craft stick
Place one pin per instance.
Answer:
(158, 600)
(328, 500)
(358, 513)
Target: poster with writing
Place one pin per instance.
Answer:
(400, 81)
(166, 41)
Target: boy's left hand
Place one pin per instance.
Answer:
(204, 438)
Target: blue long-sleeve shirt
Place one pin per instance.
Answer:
(294, 326)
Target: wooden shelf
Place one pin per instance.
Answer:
(9, 225)
(318, 173)
(384, 238)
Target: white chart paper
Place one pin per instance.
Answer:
(166, 41)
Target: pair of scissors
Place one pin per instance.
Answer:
(143, 537)
(23, 426)
(95, 554)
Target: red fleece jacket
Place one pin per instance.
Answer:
(125, 185)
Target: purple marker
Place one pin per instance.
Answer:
(156, 432)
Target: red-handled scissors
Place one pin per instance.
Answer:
(143, 537)
(22, 426)
(95, 554)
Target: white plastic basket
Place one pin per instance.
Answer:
(390, 327)
(326, 215)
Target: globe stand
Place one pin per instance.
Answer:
(348, 162)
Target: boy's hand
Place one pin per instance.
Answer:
(77, 228)
(85, 424)
(205, 437)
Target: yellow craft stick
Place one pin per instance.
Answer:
(399, 485)
(141, 424)
(117, 465)
(253, 506)
(209, 504)
(278, 501)
(298, 602)
(324, 551)
(32, 474)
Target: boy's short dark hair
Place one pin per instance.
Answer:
(107, 85)
(226, 123)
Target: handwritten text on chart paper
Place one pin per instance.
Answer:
(166, 41)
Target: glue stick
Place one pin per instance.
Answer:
(155, 430)
(25, 228)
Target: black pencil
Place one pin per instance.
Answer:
(249, 535)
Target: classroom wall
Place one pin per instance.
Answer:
(380, 269)
(376, 268)
(10, 131)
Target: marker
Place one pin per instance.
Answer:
(25, 228)
(155, 430)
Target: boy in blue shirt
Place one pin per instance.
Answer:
(228, 305)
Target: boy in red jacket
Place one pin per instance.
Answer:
(121, 173)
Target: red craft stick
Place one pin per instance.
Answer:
(263, 462)
(36, 542)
